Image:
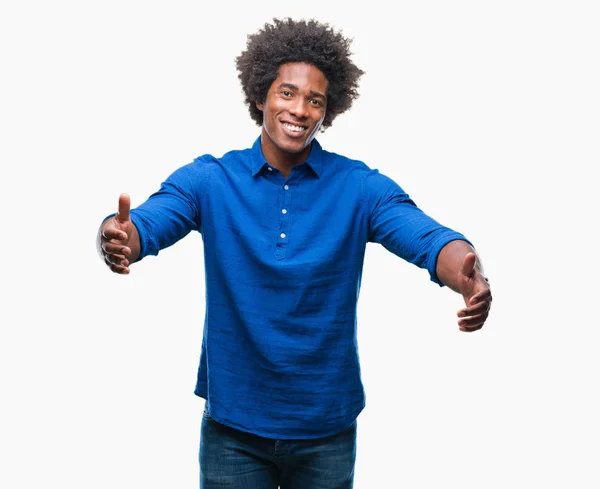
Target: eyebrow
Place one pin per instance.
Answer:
(294, 87)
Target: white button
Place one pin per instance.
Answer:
(283, 211)
(270, 169)
(286, 187)
(282, 235)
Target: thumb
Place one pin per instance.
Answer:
(468, 264)
(124, 206)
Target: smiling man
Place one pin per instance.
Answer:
(285, 226)
(293, 112)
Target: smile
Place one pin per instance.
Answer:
(293, 128)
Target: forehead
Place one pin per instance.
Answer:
(303, 75)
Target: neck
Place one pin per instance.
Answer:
(280, 159)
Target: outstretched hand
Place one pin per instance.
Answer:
(114, 241)
(476, 292)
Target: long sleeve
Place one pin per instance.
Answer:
(170, 213)
(401, 227)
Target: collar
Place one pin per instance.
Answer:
(314, 160)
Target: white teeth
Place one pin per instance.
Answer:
(291, 127)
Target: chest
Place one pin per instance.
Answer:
(304, 218)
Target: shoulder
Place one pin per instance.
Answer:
(369, 177)
(376, 187)
(208, 165)
(339, 165)
(209, 161)
(342, 160)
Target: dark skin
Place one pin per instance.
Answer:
(118, 241)
(293, 112)
(459, 268)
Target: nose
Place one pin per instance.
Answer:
(299, 108)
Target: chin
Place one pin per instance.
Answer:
(293, 146)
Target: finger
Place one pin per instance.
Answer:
(472, 323)
(477, 308)
(124, 207)
(468, 264)
(483, 296)
(120, 269)
(115, 249)
(466, 329)
(114, 259)
(114, 233)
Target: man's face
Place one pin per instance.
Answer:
(294, 108)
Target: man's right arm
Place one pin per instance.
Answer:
(118, 241)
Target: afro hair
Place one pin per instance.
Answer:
(290, 41)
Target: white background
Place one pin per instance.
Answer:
(486, 113)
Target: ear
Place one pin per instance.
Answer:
(260, 105)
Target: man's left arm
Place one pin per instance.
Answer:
(459, 267)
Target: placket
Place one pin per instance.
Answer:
(285, 206)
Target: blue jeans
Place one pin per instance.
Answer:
(239, 460)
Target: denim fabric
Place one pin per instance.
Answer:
(235, 459)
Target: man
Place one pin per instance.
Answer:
(285, 226)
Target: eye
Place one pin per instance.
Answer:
(316, 102)
(286, 93)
